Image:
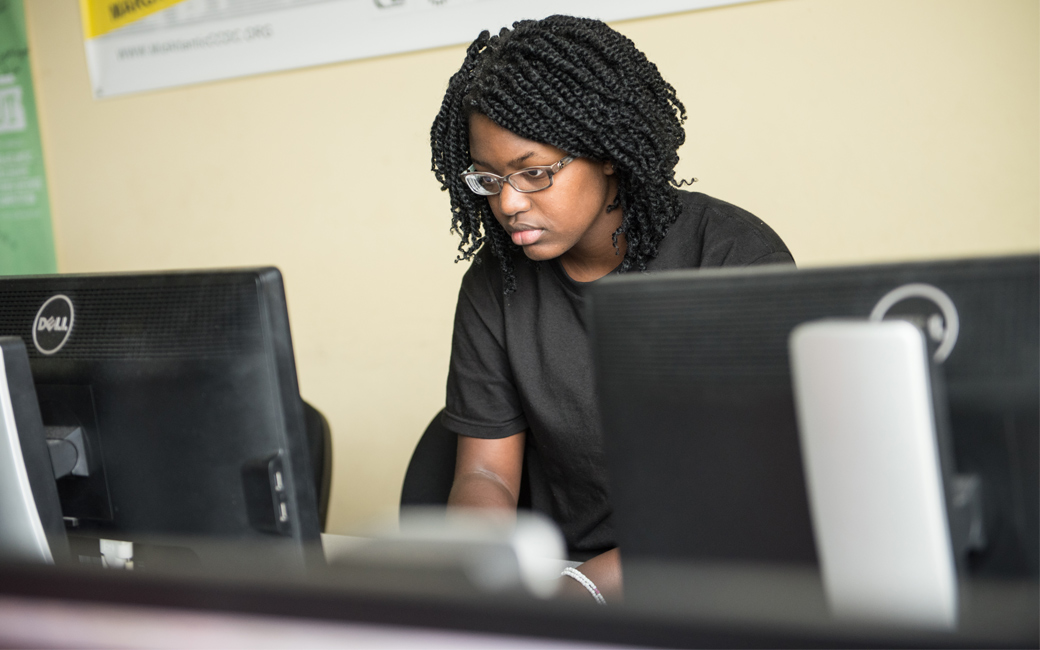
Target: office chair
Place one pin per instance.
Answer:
(319, 446)
(431, 470)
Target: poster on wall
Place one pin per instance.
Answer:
(26, 240)
(139, 45)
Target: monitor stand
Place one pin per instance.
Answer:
(873, 446)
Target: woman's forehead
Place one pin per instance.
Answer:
(499, 148)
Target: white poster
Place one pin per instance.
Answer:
(195, 41)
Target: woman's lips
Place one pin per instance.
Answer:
(526, 237)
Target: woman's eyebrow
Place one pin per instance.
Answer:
(515, 162)
(519, 160)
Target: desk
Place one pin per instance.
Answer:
(112, 608)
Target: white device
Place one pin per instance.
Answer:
(22, 536)
(866, 423)
(493, 553)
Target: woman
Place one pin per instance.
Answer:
(557, 143)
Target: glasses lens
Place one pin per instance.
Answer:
(483, 184)
(530, 180)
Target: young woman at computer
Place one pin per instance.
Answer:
(557, 142)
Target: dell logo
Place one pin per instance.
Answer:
(53, 324)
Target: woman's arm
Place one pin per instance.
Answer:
(487, 475)
(487, 472)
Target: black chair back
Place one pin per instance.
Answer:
(319, 444)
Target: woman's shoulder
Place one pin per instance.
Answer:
(712, 232)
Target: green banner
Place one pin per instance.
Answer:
(26, 240)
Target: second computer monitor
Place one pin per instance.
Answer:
(695, 389)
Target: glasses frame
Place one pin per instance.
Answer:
(551, 170)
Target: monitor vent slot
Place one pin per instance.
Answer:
(120, 322)
(669, 332)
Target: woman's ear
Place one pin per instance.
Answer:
(608, 168)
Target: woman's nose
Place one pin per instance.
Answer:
(512, 202)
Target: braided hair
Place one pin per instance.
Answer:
(580, 86)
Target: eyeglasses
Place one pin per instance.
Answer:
(531, 179)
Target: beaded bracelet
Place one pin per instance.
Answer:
(585, 582)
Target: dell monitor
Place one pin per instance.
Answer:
(178, 393)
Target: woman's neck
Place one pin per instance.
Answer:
(594, 264)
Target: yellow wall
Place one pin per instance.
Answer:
(861, 130)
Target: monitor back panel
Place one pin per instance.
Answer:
(183, 384)
(698, 416)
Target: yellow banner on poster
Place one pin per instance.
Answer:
(102, 16)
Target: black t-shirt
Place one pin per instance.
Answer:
(523, 362)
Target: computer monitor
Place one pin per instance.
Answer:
(31, 526)
(695, 389)
(181, 390)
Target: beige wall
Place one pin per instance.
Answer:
(861, 130)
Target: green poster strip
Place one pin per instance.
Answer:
(26, 240)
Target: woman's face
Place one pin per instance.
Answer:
(568, 220)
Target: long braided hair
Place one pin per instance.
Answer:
(580, 86)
